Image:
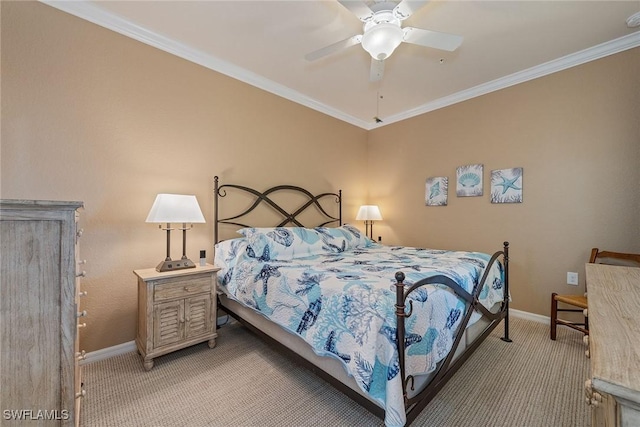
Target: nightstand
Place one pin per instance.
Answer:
(176, 309)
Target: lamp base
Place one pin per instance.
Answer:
(169, 265)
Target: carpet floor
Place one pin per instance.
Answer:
(532, 382)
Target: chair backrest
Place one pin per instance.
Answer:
(614, 258)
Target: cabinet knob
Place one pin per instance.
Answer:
(82, 325)
(81, 274)
(83, 293)
(79, 232)
(82, 393)
(585, 340)
(82, 313)
(84, 261)
(81, 355)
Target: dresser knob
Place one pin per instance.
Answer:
(82, 313)
(596, 399)
(84, 261)
(79, 232)
(82, 393)
(81, 355)
(83, 293)
(82, 325)
(588, 391)
(81, 274)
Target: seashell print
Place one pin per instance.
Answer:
(469, 180)
(435, 190)
(282, 236)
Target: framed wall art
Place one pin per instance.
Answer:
(469, 180)
(436, 191)
(506, 185)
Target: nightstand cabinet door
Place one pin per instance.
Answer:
(198, 319)
(168, 323)
(176, 309)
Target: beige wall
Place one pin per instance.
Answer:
(90, 115)
(576, 133)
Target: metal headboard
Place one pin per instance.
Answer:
(289, 218)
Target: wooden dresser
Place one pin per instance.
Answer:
(614, 345)
(39, 313)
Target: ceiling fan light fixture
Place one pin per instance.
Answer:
(634, 20)
(382, 39)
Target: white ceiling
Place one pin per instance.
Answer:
(263, 43)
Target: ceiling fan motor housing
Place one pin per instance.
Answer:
(382, 34)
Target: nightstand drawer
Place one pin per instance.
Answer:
(181, 288)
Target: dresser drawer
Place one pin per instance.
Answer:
(181, 287)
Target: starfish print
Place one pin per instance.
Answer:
(508, 183)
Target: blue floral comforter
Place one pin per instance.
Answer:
(334, 288)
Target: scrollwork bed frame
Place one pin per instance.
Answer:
(413, 405)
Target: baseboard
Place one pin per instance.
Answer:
(529, 316)
(106, 353)
(124, 348)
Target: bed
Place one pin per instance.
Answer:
(387, 325)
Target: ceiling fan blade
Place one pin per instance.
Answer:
(358, 8)
(377, 70)
(433, 39)
(333, 48)
(405, 8)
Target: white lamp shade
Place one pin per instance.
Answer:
(369, 213)
(381, 40)
(175, 208)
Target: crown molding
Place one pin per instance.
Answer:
(101, 17)
(92, 13)
(629, 41)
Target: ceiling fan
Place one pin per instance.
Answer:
(383, 33)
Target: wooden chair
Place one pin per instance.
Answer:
(580, 301)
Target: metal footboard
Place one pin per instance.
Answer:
(446, 368)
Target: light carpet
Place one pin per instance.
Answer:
(532, 382)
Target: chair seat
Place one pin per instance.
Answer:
(577, 300)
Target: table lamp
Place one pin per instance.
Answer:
(171, 208)
(369, 213)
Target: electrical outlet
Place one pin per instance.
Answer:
(572, 278)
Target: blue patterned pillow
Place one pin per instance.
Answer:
(354, 237)
(296, 242)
